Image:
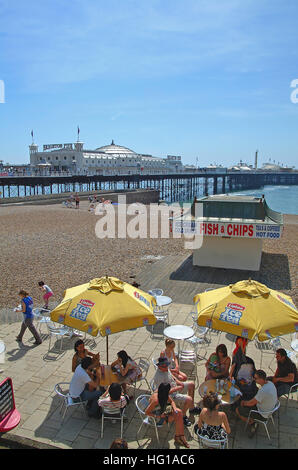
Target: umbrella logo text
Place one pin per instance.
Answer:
(82, 310)
(232, 314)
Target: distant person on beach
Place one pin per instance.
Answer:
(26, 309)
(169, 353)
(77, 199)
(81, 352)
(47, 293)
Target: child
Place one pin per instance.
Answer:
(169, 353)
(47, 293)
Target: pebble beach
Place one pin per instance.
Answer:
(59, 246)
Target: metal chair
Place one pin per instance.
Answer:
(264, 346)
(59, 332)
(154, 361)
(40, 317)
(205, 442)
(190, 357)
(144, 365)
(199, 338)
(161, 315)
(293, 389)
(269, 415)
(142, 403)
(68, 401)
(116, 414)
(155, 292)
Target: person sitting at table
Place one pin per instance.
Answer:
(242, 370)
(80, 353)
(169, 353)
(218, 364)
(212, 423)
(163, 406)
(178, 389)
(127, 368)
(286, 373)
(83, 386)
(113, 398)
(264, 401)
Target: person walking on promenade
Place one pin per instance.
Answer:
(77, 199)
(26, 308)
(47, 293)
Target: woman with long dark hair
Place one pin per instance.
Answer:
(81, 352)
(212, 423)
(218, 364)
(163, 406)
(127, 369)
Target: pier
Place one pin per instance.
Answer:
(171, 187)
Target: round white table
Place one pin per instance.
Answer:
(163, 300)
(178, 332)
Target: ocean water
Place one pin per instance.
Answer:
(279, 198)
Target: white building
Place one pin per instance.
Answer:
(107, 160)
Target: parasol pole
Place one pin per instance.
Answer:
(107, 347)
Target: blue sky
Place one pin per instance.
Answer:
(196, 78)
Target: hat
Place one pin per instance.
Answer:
(162, 361)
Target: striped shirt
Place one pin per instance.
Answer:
(108, 404)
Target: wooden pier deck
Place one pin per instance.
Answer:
(181, 281)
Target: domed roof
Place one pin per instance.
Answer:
(114, 149)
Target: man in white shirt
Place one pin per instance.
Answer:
(83, 387)
(264, 401)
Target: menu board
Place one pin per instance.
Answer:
(7, 404)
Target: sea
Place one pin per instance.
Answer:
(279, 198)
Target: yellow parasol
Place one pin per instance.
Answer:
(105, 305)
(248, 309)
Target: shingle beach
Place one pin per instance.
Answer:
(59, 246)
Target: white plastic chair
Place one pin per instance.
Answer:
(144, 365)
(269, 415)
(161, 315)
(293, 389)
(142, 403)
(116, 414)
(205, 442)
(68, 401)
(59, 332)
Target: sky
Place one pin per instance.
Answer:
(209, 80)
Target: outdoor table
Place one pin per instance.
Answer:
(226, 398)
(178, 332)
(108, 377)
(163, 300)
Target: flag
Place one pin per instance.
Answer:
(32, 134)
(78, 130)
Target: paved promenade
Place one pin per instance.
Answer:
(35, 371)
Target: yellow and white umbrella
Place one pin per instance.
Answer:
(248, 309)
(105, 305)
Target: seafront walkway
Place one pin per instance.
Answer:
(35, 371)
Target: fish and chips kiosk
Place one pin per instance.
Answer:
(233, 229)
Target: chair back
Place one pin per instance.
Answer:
(275, 343)
(59, 390)
(142, 403)
(155, 361)
(155, 292)
(115, 411)
(213, 443)
(144, 364)
(270, 413)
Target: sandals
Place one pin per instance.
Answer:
(181, 441)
